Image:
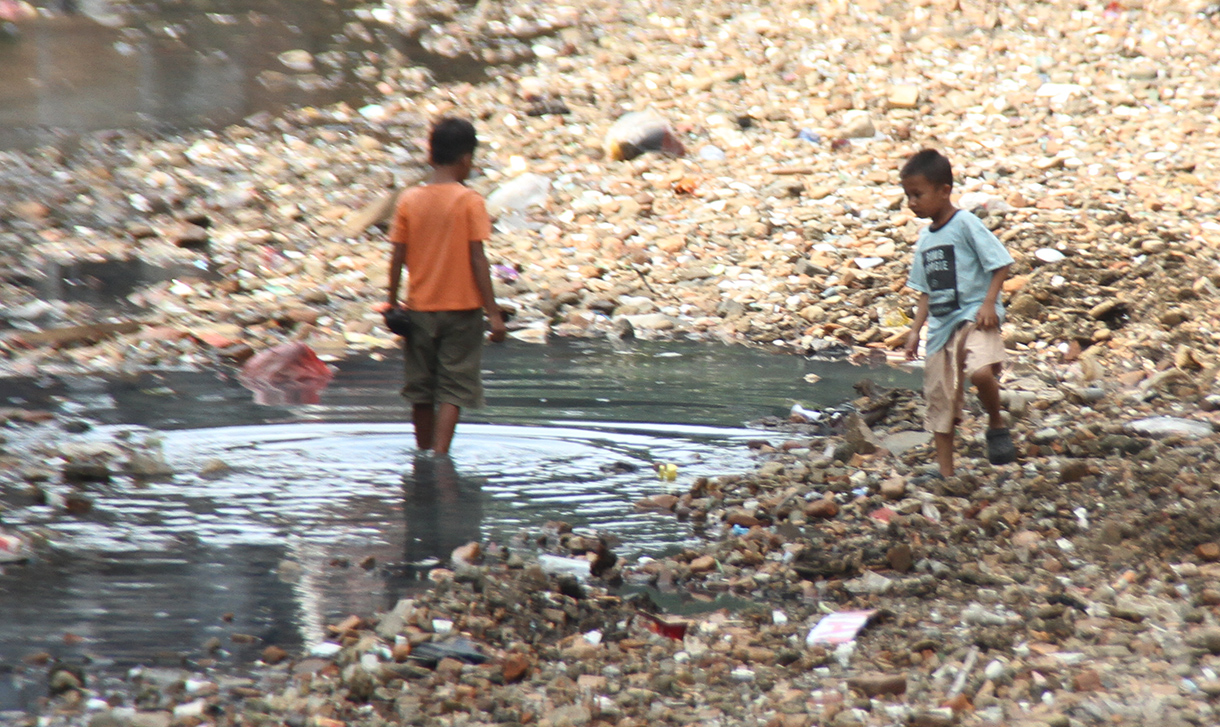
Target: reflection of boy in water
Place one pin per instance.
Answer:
(442, 510)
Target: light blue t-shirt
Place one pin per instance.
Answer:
(954, 266)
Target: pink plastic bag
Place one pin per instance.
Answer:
(290, 373)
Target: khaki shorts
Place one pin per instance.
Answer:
(947, 371)
(443, 358)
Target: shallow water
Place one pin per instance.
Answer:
(169, 65)
(571, 432)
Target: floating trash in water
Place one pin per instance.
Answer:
(290, 373)
(13, 548)
(667, 471)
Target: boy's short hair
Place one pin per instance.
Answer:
(929, 164)
(450, 140)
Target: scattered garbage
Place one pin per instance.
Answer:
(431, 652)
(839, 628)
(1164, 426)
(558, 565)
(290, 373)
(519, 194)
(13, 548)
(638, 132)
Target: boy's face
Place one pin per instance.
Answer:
(926, 199)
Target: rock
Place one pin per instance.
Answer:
(80, 472)
(651, 322)
(1025, 306)
(857, 125)
(860, 436)
(1209, 552)
(515, 668)
(904, 97)
(901, 442)
(894, 488)
(190, 237)
(297, 60)
(1086, 681)
(521, 193)
(658, 502)
(875, 685)
(900, 558)
(822, 508)
(274, 655)
(1206, 638)
(1073, 471)
(1164, 426)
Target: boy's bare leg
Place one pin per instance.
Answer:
(424, 417)
(447, 416)
(989, 394)
(944, 453)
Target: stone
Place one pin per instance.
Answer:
(857, 125)
(901, 442)
(875, 685)
(1025, 306)
(904, 97)
(1209, 552)
(515, 668)
(900, 558)
(1164, 426)
(894, 488)
(822, 508)
(1086, 681)
(860, 436)
(703, 564)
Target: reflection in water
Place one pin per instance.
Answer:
(442, 510)
(173, 66)
(331, 487)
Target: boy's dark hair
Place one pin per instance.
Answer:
(929, 164)
(450, 140)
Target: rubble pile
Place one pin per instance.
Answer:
(771, 213)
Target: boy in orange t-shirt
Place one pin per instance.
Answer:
(438, 233)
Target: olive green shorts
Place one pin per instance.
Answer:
(443, 358)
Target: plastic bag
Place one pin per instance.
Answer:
(639, 132)
(290, 373)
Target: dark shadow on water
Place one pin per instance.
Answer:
(442, 510)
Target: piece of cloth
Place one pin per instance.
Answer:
(443, 358)
(954, 266)
(947, 370)
(437, 223)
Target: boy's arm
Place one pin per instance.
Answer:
(482, 278)
(921, 317)
(397, 258)
(986, 319)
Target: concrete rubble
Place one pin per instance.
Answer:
(1077, 587)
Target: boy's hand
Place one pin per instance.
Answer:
(912, 346)
(986, 319)
(498, 330)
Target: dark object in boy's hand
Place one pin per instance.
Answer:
(397, 320)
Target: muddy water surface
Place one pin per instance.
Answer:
(571, 432)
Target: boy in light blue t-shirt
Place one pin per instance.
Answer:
(959, 270)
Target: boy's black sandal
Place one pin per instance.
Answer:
(1000, 449)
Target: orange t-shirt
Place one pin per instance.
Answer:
(437, 223)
